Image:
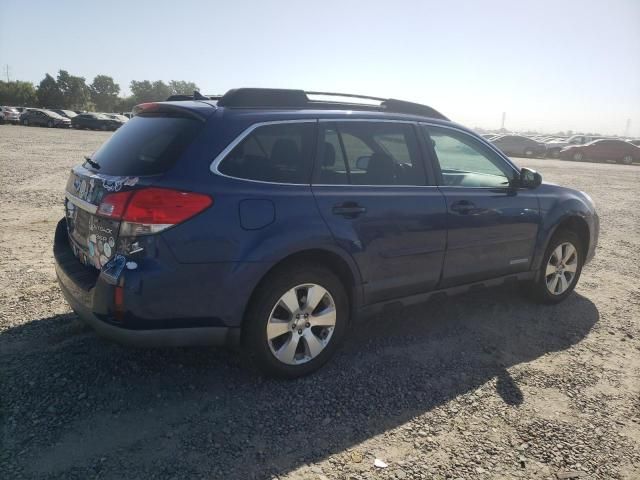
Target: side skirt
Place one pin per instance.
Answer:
(399, 303)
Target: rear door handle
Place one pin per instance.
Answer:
(349, 210)
(463, 207)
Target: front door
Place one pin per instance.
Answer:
(372, 191)
(492, 225)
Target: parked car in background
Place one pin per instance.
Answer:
(65, 113)
(236, 221)
(95, 121)
(519, 146)
(607, 149)
(10, 115)
(635, 141)
(43, 118)
(116, 116)
(555, 146)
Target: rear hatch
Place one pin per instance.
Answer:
(110, 199)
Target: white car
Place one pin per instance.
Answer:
(10, 114)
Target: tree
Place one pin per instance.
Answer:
(75, 93)
(146, 91)
(104, 93)
(17, 93)
(49, 94)
(181, 87)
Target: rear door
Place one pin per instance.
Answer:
(374, 194)
(492, 227)
(134, 157)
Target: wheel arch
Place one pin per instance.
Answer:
(338, 262)
(574, 223)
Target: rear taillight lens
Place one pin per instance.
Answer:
(150, 210)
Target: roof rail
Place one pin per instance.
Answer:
(286, 98)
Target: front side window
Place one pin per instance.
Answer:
(465, 162)
(369, 153)
(279, 153)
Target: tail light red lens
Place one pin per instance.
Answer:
(162, 207)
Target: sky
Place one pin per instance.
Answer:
(550, 64)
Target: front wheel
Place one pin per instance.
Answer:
(296, 321)
(627, 160)
(578, 156)
(560, 269)
(50, 124)
(25, 123)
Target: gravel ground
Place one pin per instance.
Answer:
(481, 386)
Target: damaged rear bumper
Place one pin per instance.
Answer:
(91, 295)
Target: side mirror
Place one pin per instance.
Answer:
(362, 163)
(529, 178)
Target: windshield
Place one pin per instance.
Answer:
(52, 114)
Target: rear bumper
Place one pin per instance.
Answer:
(91, 296)
(165, 337)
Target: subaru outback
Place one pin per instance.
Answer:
(271, 219)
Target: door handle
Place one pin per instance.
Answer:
(348, 209)
(463, 207)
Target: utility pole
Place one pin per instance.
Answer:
(504, 117)
(627, 129)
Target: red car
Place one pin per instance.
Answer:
(617, 150)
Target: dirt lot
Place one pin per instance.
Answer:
(481, 386)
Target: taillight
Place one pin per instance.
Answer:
(150, 210)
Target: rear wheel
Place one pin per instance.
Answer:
(560, 269)
(578, 156)
(627, 160)
(296, 320)
(50, 124)
(25, 122)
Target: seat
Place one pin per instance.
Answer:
(381, 170)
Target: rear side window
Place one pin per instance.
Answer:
(146, 145)
(281, 153)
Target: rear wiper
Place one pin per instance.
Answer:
(91, 162)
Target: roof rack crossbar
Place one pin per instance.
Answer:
(345, 95)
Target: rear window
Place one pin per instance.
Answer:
(145, 145)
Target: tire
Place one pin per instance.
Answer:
(25, 123)
(528, 153)
(104, 128)
(267, 309)
(540, 289)
(555, 153)
(578, 157)
(626, 160)
(50, 124)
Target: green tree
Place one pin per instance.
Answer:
(17, 94)
(146, 91)
(75, 92)
(104, 93)
(49, 94)
(181, 87)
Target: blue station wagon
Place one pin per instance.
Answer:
(272, 219)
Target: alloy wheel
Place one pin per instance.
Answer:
(301, 324)
(577, 157)
(627, 160)
(561, 268)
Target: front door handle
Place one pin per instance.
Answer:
(349, 210)
(463, 207)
